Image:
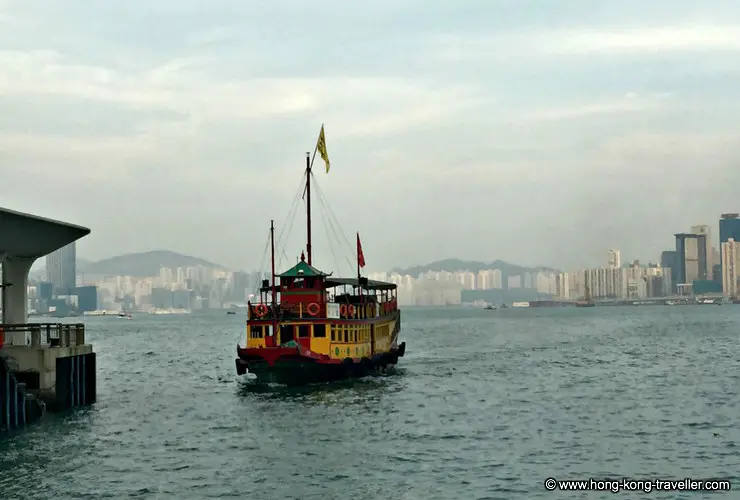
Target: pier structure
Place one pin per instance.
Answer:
(42, 365)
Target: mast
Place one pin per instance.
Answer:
(272, 245)
(308, 205)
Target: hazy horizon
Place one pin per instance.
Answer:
(533, 132)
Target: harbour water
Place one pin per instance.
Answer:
(486, 404)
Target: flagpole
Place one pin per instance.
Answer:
(359, 286)
(315, 149)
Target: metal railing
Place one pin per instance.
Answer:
(42, 334)
(344, 310)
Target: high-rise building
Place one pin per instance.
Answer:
(691, 265)
(615, 258)
(729, 227)
(730, 267)
(704, 229)
(61, 269)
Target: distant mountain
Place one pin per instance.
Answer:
(453, 265)
(142, 264)
(81, 264)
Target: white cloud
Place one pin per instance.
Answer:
(692, 38)
(510, 46)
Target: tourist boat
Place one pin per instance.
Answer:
(309, 326)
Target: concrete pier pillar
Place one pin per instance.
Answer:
(14, 290)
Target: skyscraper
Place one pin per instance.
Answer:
(730, 267)
(61, 269)
(691, 262)
(729, 227)
(704, 229)
(615, 258)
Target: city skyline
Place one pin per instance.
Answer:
(615, 254)
(694, 267)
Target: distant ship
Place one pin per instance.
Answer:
(125, 315)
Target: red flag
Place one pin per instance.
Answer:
(360, 255)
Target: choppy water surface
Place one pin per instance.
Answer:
(486, 404)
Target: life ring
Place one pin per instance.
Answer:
(343, 310)
(261, 310)
(352, 311)
(313, 309)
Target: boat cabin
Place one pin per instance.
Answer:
(305, 292)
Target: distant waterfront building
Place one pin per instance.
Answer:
(87, 298)
(704, 229)
(514, 281)
(729, 227)
(562, 286)
(615, 258)
(730, 267)
(691, 265)
(669, 260)
(61, 269)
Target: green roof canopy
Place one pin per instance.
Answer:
(302, 269)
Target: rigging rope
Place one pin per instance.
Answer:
(262, 266)
(335, 223)
(328, 236)
(335, 226)
(289, 226)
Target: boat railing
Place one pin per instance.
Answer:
(331, 310)
(42, 334)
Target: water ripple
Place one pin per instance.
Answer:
(485, 405)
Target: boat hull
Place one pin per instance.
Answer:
(294, 369)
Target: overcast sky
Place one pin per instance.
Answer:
(537, 132)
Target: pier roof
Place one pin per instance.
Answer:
(26, 235)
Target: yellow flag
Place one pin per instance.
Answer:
(321, 146)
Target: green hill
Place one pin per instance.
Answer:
(453, 265)
(144, 264)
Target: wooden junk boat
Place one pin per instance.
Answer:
(309, 326)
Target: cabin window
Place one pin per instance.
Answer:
(304, 331)
(286, 333)
(299, 283)
(319, 331)
(346, 334)
(333, 333)
(255, 332)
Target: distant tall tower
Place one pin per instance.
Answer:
(691, 258)
(729, 227)
(730, 267)
(61, 269)
(704, 229)
(615, 258)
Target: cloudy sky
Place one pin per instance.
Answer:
(537, 132)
